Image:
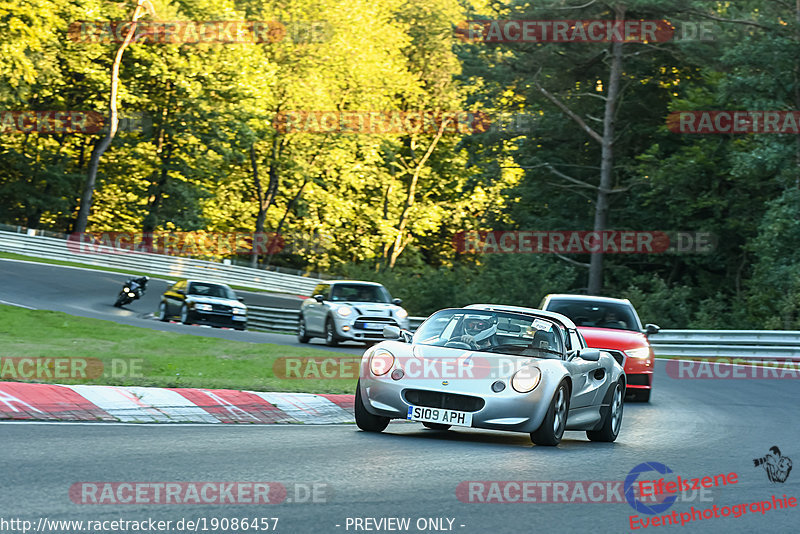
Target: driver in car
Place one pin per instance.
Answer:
(478, 332)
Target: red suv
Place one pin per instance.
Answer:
(608, 323)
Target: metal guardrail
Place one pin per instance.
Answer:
(169, 266)
(272, 319)
(750, 344)
(283, 320)
(747, 344)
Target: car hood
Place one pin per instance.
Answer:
(431, 361)
(215, 300)
(608, 338)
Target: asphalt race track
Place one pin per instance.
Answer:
(91, 293)
(698, 428)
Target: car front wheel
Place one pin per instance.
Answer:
(365, 420)
(555, 421)
(185, 314)
(302, 332)
(612, 416)
(330, 334)
(162, 312)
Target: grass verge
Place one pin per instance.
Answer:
(135, 356)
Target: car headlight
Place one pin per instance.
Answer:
(203, 307)
(344, 311)
(526, 379)
(126, 289)
(381, 362)
(239, 311)
(641, 353)
(401, 313)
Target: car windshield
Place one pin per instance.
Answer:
(617, 316)
(359, 293)
(211, 290)
(489, 331)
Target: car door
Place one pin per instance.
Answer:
(314, 312)
(173, 296)
(585, 381)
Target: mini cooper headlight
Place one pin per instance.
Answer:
(381, 362)
(203, 307)
(526, 379)
(344, 311)
(401, 313)
(641, 353)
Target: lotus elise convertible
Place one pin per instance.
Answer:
(493, 367)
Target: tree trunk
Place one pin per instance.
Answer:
(286, 212)
(265, 199)
(398, 245)
(113, 121)
(607, 157)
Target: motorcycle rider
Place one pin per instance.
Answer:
(140, 282)
(135, 286)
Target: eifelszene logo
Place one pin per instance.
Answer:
(777, 467)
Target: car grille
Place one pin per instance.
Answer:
(361, 321)
(638, 380)
(221, 308)
(447, 401)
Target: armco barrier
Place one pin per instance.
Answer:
(750, 344)
(283, 320)
(169, 266)
(747, 344)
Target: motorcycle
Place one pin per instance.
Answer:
(133, 289)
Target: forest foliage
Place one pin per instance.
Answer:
(199, 149)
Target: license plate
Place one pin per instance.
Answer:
(439, 415)
(373, 326)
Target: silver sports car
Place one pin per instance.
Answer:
(494, 367)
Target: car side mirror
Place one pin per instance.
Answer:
(590, 355)
(240, 299)
(391, 332)
(397, 302)
(651, 329)
(319, 298)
